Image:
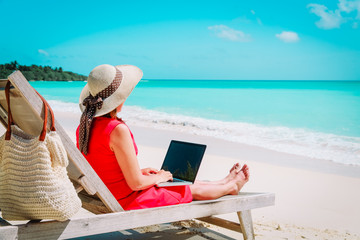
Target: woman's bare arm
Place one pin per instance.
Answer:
(122, 145)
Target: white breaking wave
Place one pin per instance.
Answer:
(59, 106)
(340, 149)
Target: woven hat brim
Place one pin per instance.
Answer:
(131, 76)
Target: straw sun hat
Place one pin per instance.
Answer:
(101, 77)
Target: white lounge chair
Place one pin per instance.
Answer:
(27, 112)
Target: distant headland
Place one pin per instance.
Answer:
(35, 72)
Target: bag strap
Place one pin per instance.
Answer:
(10, 120)
(52, 126)
(46, 108)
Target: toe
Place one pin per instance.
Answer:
(235, 167)
(245, 166)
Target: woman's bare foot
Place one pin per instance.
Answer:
(241, 178)
(246, 171)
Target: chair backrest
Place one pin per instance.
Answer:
(27, 110)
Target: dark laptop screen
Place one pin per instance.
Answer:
(183, 159)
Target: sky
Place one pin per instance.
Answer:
(170, 39)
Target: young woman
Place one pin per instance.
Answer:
(108, 145)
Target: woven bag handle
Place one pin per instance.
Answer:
(10, 118)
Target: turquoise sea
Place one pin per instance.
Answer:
(319, 119)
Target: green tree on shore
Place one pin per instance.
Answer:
(35, 72)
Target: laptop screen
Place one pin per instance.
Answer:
(183, 159)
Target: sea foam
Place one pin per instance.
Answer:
(64, 106)
(303, 142)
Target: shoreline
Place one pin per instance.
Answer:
(216, 146)
(293, 141)
(311, 196)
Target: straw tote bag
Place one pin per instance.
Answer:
(33, 179)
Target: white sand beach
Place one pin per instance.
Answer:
(315, 199)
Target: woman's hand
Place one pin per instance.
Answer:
(148, 171)
(164, 176)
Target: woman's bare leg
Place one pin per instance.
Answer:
(211, 190)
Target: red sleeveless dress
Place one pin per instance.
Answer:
(104, 162)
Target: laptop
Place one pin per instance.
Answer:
(183, 160)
